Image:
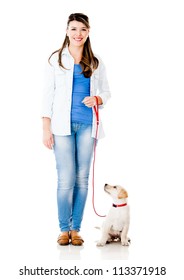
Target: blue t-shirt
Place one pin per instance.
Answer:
(81, 89)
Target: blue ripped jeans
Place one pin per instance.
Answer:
(73, 154)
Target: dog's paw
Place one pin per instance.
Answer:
(100, 243)
(125, 242)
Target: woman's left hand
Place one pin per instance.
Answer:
(89, 101)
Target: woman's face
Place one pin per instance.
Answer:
(77, 33)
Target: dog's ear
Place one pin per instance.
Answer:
(123, 194)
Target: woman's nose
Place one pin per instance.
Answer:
(78, 32)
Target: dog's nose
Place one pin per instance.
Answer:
(106, 185)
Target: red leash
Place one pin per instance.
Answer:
(94, 157)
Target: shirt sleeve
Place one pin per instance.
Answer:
(103, 85)
(48, 91)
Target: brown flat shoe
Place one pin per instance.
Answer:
(76, 239)
(63, 238)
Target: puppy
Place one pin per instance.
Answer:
(116, 223)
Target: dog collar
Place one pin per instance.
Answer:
(119, 205)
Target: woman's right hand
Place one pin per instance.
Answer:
(48, 139)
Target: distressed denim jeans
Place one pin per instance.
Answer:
(73, 154)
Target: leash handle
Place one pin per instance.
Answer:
(96, 111)
(94, 157)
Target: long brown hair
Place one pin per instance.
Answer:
(88, 62)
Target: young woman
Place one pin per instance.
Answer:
(75, 81)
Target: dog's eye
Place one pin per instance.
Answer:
(114, 187)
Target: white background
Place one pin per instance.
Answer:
(141, 44)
